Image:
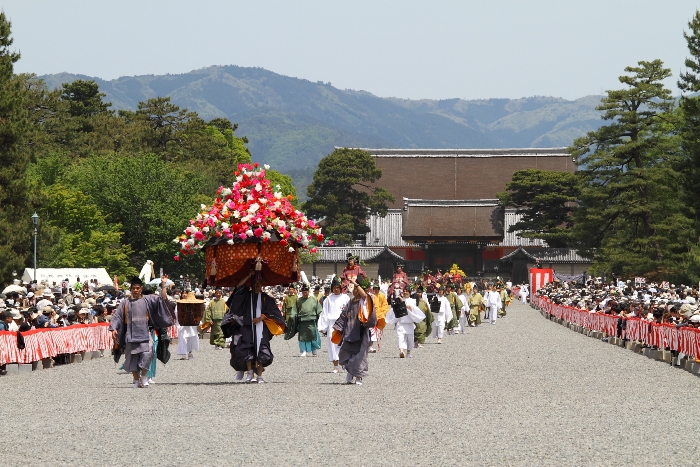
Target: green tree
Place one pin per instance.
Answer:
(84, 98)
(285, 183)
(344, 193)
(152, 200)
(630, 218)
(689, 131)
(83, 238)
(546, 200)
(15, 208)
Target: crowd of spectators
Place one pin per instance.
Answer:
(659, 303)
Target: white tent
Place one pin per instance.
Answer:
(51, 275)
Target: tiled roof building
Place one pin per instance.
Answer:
(446, 210)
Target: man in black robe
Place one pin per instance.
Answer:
(253, 319)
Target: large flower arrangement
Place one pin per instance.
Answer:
(250, 210)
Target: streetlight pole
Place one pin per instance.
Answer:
(35, 221)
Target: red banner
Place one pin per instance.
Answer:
(685, 339)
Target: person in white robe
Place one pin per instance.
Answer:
(332, 307)
(524, 293)
(493, 303)
(406, 325)
(464, 311)
(187, 338)
(442, 316)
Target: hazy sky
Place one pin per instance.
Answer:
(403, 48)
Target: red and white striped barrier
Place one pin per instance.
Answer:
(685, 339)
(45, 343)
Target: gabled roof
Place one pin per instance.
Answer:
(452, 220)
(520, 252)
(547, 255)
(368, 254)
(504, 152)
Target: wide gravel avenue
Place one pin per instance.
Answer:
(523, 392)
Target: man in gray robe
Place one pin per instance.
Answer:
(129, 326)
(354, 324)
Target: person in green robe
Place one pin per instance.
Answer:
(289, 300)
(505, 299)
(213, 315)
(425, 327)
(476, 303)
(455, 305)
(303, 319)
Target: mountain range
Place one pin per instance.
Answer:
(292, 123)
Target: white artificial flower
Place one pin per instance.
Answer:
(224, 225)
(236, 214)
(278, 194)
(249, 233)
(203, 206)
(266, 234)
(205, 229)
(239, 178)
(253, 208)
(291, 250)
(191, 241)
(267, 167)
(230, 242)
(258, 187)
(177, 240)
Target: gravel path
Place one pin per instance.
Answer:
(524, 392)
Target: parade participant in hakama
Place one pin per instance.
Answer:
(505, 299)
(351, 272)
(351, 333)
(424, 327)
(188, 336)
(442, 316)
(303, 320)
(381, 305)
(464, 310)
(399, 281)
(289, 300)
(130, 327)
(405, 314)
(254, 318)
(524, 293)
(455, 306)
(213, 315)
(493, 303)
(476, 303)
(332, 306)
(429, 282)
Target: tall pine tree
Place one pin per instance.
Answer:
(15, 220)
(689, 131)
(630, 218)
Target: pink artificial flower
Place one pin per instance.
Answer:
(330, 242)
(176, 258)
(199, 236)
(258, 232)
(313, 250)
(243, 235)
